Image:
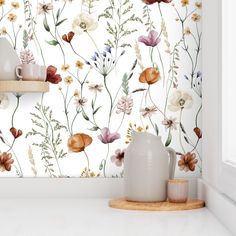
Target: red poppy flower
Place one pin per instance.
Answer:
(52, 77)
(154, 1)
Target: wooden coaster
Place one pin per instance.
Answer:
(121, 203)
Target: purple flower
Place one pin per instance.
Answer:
(118, 157)
(107, 136)
(151, 40)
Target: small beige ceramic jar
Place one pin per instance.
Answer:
(178, 190)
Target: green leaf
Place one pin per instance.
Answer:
(125, 84)
(45, 24)
(96, 110)
(186, 139)
(95, 128)
(168, 141)
(156, 129)
(53, 42)
(84, 115)
(60, 22)
(58, 14)
(182, 128)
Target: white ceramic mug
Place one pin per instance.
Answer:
(178, 190)
(28, 72)
(42, 73)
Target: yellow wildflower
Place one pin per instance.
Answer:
(79, 64)
(3, 31)
(198, 5)
(65, 67)
(15, 5)
(68, 80)
(184, 3)
(196, 17)
(187, 31)
(2, 2)
(12, 17)
(76, 93)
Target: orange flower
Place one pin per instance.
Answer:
(16, 133)
(68, 37)
(150, 76)
(5, 161)
(198, 132)
(78, 142)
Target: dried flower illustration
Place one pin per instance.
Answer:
(125, 105)
(83, 23)
(151, 40)
(78, 142)
(187, 162)
(107, 137)
(118, 157)
(44, 8)
(27, 57)
(6, 161)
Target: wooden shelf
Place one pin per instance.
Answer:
(24, 86)
(121, 203)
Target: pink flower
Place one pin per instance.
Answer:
(151, 40)
(27, 57)
(125, 105)
(118, 158)
(154, 1)
(107, 136)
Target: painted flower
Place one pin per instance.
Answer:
(65, 67)
(198, 132)
(118, 157)
(187, 162)
(187, 31)
(79, 65)
(2, 2)
(198, 5)
(134, 128)
(44, 8)
(95, 88)
(80, 102)
(107, 137)
(68, 37)
(12, 17)
(125, 105)
(148, 111)
(170, 123)
(3, 31)
(27, 57)
(76, 93)
(4, 101)
(154, 1)
(196, 17)
(6, 161)
(52, 77)
(15, 5)
(150, 76)
(151, 40)
(16, 133)
(184, 3)
(78, 142)
(180, 100)
(83, 23)
(68, 80)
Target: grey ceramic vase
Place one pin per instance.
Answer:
(147, 167)
(8, 60)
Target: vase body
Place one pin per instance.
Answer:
(8, 60)
(147, 167)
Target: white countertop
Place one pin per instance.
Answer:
(93, 217)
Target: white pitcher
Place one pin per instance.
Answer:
(8, 60)
(147, 168)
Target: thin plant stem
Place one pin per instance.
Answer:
(180, 131)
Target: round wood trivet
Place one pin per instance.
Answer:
(121, 203)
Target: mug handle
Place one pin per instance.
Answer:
(18, 72)
(172, 163)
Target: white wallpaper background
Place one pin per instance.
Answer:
(123, 65)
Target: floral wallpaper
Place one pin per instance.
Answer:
(114, 66)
